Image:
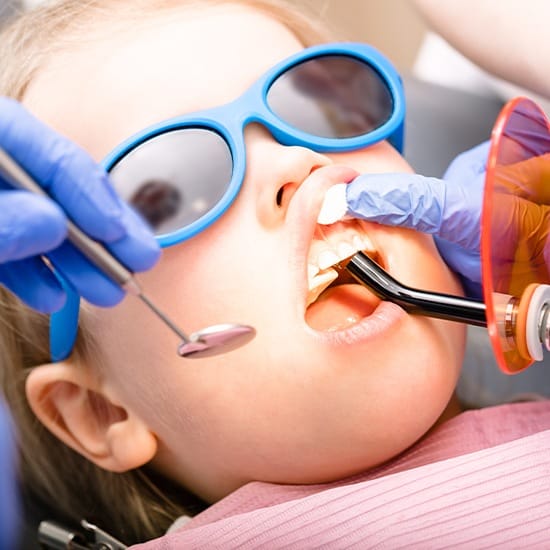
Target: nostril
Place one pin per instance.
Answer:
(279, 197)
(316, 167)
(284, 194)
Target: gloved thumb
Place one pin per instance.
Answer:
(447, 209)
(406, 200)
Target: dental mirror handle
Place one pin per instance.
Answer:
(432, 304)
(94, 251)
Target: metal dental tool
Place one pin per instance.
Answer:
(53, 536)
(209, 341)
(432, 304)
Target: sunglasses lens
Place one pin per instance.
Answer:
(333, 96)
(175, 178)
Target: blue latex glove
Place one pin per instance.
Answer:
(450, 209)
(32, 226)
(9, 496)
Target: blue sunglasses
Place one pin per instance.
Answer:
(184, 173)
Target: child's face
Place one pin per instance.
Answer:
(298, 404)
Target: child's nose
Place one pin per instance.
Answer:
(275, 171)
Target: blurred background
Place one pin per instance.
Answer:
(393, 26)
(396, 28)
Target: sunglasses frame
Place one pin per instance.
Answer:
(229, 121)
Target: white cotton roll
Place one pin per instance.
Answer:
(334, 206)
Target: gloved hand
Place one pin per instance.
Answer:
(521, 220)
(9, 496)
(33, 226)
(450, 209)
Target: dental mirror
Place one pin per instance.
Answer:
(209, 341)
(216, 339)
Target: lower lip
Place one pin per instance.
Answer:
(383, 319)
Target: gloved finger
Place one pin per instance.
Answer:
(471, 289)
(527, 179)
(407, 200)
(465, 263)
(138, 249)
(66, 171)
(469, 164)
(30, 225)
(546, 256)
(461, 215)
(33, 282)
(465, 183)
(90, 283)
(527, 129)
(460, 260)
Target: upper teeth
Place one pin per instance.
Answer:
(334, 244)
(338, 243)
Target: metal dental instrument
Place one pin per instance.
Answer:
(209, 341)
(57, 537)
(432, 304)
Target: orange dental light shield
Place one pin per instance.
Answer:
(515, 225)
(515, 251)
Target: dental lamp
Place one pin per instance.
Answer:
(515, 249)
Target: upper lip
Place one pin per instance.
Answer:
(304, 209)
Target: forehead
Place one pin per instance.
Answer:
(141, 72)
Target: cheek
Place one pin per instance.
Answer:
(217, 276)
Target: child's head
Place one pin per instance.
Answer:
(324, 390)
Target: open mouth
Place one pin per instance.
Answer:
(335, 300)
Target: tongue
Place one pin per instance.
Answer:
(340, 307)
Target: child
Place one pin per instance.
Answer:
(131, 436)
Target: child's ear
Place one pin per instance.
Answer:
(66, 399)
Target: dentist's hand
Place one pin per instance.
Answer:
(32, 226)
(450, 209)
(9, 494)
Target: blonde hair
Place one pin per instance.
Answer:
(136, 505)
